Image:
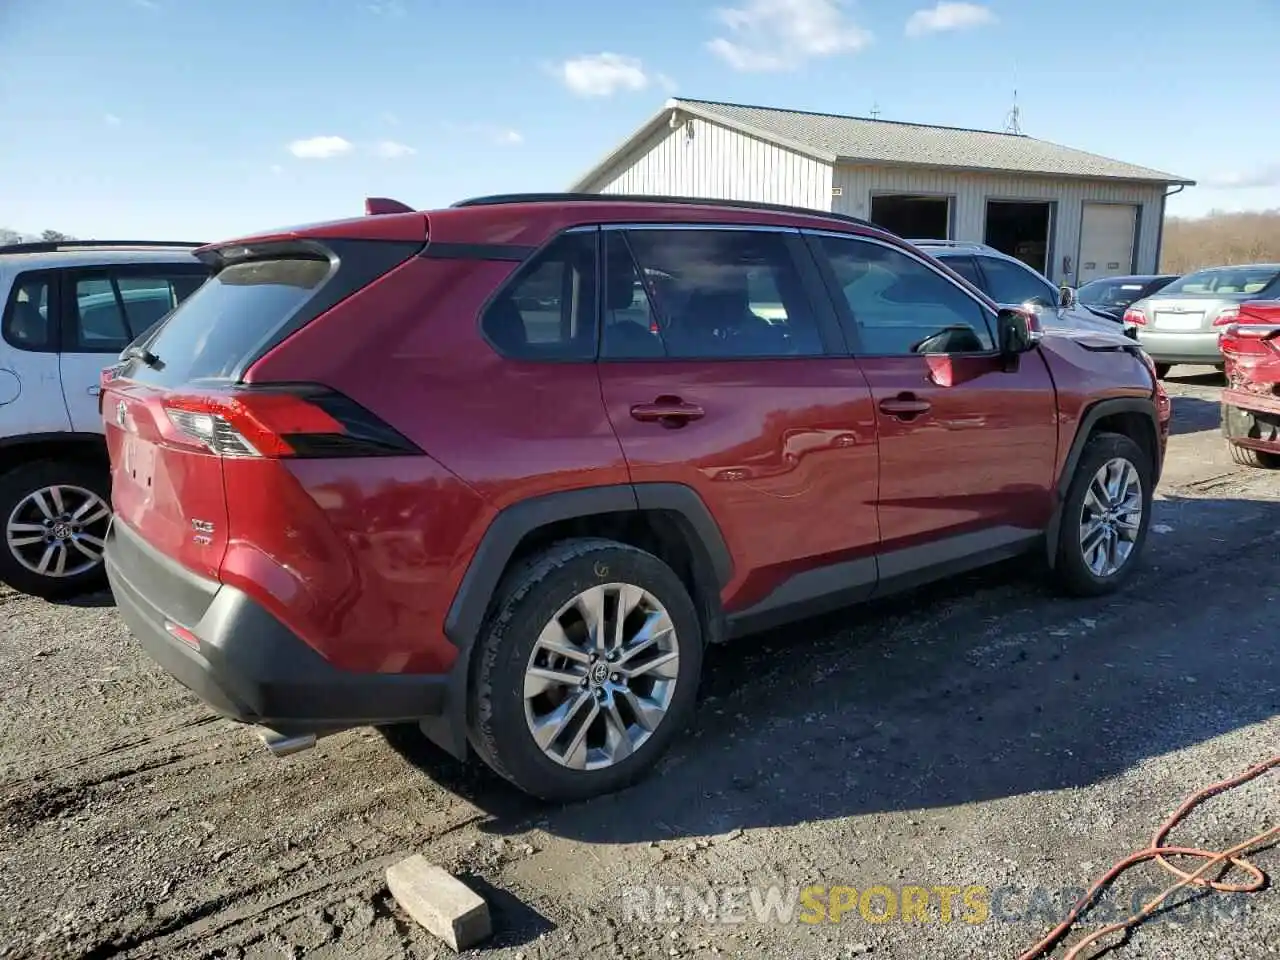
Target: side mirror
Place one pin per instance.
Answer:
(1019, 332)
(1066, 296)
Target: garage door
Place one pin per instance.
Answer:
(1106, 240)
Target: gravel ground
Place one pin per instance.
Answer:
(983, 733)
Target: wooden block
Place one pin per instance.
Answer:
(440, 902)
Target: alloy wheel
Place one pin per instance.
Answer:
(58, 531)
(601, 676)
(1111, 517)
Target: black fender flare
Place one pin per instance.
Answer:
(471, 602)
(1084, 430)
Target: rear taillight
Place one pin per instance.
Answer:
(283, 422)
(1135, 316)
(1227, 315)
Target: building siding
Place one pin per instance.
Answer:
(971, 191)
(721, 163)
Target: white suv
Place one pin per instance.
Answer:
(69, 310)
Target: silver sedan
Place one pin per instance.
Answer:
(1181, 323)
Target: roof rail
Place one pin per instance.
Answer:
(51, 246)
(502, 198)
(933, 242)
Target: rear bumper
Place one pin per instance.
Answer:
(242, 661)
(1191, 347)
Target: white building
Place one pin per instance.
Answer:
(1072, 215)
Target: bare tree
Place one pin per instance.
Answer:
(1221, 239)
(8, 236)
(54, 236)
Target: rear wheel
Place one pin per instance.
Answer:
(1105, 516)
(586, 672)
(55, 515)
(1248, 457)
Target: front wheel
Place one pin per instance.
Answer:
(1105, 516)
(587, 670)
(55, 515)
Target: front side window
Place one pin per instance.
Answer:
(1012, 284)
(548, 310)
(710, 294)
(900, 307)
(27, 324)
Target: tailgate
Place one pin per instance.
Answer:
(167, 491)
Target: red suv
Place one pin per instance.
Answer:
(1251, 403)
(504, 469)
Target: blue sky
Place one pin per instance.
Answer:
(204, 119)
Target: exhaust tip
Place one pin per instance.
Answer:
(282, 745)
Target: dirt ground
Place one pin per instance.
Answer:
(983, 733)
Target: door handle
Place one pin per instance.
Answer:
(905, 406)
(94, 391)
(668, 411)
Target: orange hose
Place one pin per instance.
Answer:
(1158, 852)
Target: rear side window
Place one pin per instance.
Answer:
(27, 324)
(967, 269)
(112, 308)
(548, 310)
(228, 317)
(100, 324)
(708, 294)
(1010, 283)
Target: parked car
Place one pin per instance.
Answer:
(1114, 295)
(1181, 323)
(1011, 283)
(352, 486)
(69, 308)
(1251, 403)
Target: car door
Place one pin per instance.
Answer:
(967, 441)
(30, 388)
(721, 371)
(106, 308)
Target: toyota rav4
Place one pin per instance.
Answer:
(503, 470)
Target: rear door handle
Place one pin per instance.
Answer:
(669, 411)
(905, 406)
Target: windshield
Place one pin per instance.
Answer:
(1110, 293)
(222, 323)
(1224, 281)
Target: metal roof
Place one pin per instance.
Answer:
(836, 138)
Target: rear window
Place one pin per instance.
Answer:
(1224, 281)
(225, 321)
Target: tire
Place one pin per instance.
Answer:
(529, 599)
(76, 481)
(1072, 569)
(1248, 457)
(1162, 370)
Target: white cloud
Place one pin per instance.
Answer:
(1263, 175)
(773, 35)
(277, 169)
(320, 148)
(146, 4)
(602, 74)
(507, 138)
(948, 15)
(392, 149)
(389, 8)
(111, 120)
